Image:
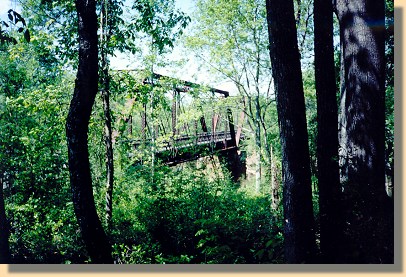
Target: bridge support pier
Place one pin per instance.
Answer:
(234, 162)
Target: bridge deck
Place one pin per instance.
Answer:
(187, 148)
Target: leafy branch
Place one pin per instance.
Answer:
(14, 18)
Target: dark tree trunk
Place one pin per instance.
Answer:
(4, 245)
(362, 131)
(297, 194)
(331, 222)
(76, 131)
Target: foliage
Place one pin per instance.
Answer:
(230, 38)
(33, 158)
(189, 219)
(14, 19)
(159, 20)
(305, 30)
(190, 213)
(57, 21)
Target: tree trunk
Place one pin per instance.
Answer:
(297, 195)
(257, 165)
(258, 146)
(109, 154)
(77, 126)
(144, 123)
(105, 93)
(109, 145)
(152, 132)
(4, 245)
(362, 127)
(274, 182)
(331, 223)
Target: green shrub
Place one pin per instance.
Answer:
(188, 218)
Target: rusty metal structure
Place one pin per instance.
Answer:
(175, 142)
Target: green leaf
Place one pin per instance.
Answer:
(268, 243)
(27, 35)
(260, 253)
(200, 232)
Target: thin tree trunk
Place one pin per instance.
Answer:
(174, 112)
(152, 131)
(257, 165)
(258, 145)
(144, 123)
(331, 221)
(362, 121)
(77, 126)
(105, 93)
(4, 245)
(299, 236)
(109, 148)
(274, 182)
(272, 169)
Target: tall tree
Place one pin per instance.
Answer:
(362, 130)
(297, 195)
(77, 126)
(331, 225)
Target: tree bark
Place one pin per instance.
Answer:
(4, 245)
(331, 221)
(109, 145)
(362, 131)
(297, 195)
(105, 93)
(77, 126)
(258, 146)
(274, 182)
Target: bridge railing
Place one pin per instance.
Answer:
(182, 141)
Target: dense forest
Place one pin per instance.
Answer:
(119, 144)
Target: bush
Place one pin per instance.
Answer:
(188, 218)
